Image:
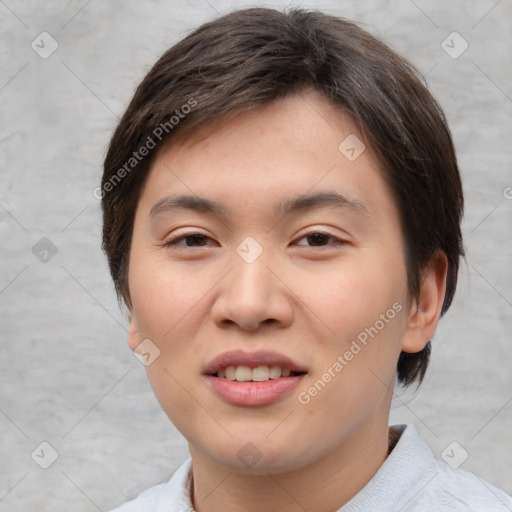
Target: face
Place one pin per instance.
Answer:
(284, 271)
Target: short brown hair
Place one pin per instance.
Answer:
(250, 57)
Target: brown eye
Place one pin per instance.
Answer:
(319, 239)
(193, 240)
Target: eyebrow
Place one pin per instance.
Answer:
(300, 203)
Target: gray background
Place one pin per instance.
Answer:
(67, 376)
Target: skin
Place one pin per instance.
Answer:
(302, 298)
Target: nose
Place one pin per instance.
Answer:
(253, 295)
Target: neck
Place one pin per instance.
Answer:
(336, 477)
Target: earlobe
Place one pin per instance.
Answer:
(134, 337)
(426, 310)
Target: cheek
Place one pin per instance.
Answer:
(163, 296)
(169, 388)
(165, 307)
(363, 305)
(168, 304)
(352, 295)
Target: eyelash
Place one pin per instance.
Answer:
(175, 241)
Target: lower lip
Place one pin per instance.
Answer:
(252, 394)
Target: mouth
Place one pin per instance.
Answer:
(252, 379)
(241, 366)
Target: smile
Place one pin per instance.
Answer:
(252, 379)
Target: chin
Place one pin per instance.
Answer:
(259, 457)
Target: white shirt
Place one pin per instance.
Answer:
(410, 480)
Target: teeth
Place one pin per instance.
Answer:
(243, 374)
(246, 374)
(275, 372)
(260, 374)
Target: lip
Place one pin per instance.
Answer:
(252, 394)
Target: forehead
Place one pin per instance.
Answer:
(259, 159)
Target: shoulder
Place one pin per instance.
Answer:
(441, 487)
(413, 480)
(172, 495)
(458, 489)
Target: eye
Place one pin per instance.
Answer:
(320, 239)
(315, 239)
(191, 240)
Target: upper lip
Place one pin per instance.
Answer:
(251, 359)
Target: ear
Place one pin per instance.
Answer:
(426, 310)
(134, 337)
